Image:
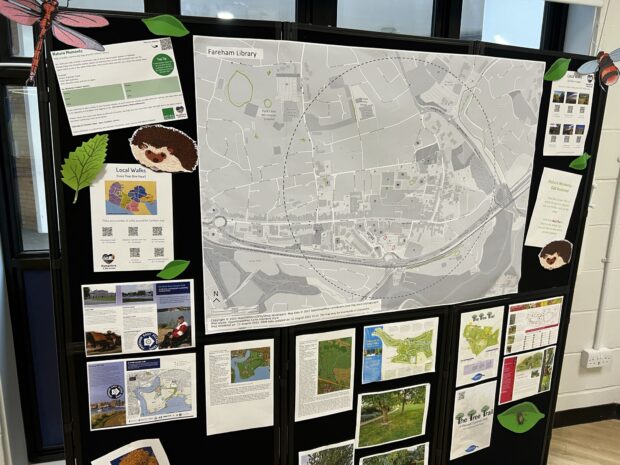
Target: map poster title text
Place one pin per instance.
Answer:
(235, 52)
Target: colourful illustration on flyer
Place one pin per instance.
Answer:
(142, 456)
(334, 365)
(131, 198)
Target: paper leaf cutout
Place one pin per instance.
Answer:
(520, 418)
(173, 269)
(557, 70)
(84, 164)
(581, 162)
(165, 25)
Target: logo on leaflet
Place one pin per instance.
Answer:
(147, 341)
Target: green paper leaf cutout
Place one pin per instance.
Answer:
(84, 164)
(520, 418)
(581, 162)
(165, 25)
(557, 70)
(173, 269)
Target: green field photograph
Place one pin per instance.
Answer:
(390, 416)
(334, 365)
(415, 455)
(338, 454)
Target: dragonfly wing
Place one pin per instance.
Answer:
(77, 19)
(22, 12)
(615, 55)
(588, 67)
(75, 39)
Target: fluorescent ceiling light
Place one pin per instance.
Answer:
(225, 15)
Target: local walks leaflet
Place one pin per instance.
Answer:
(131, 219)
(398, 350)
(526, 374)
(479, 345)
(531, 325)
(130, 392)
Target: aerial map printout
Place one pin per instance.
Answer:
(343, 181)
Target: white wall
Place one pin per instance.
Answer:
(13, 442)
(580, 387)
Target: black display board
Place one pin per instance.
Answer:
(72, 258)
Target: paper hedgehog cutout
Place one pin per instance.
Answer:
(555, 254)
(161, 148)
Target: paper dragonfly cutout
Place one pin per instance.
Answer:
(604, 63)
(49, 16)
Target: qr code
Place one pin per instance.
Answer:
(582, 110)
(106, 231)
(134, 252)
(570, 110)
(578, 139)
(159, 251)
(157, 231)
(553, 138)
(566, 139)
(556, 108)
(166, 44)
(132, 231)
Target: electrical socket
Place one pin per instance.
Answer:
(593, 358)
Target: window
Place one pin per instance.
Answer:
(518, 22)
(27, 163)
(579, 29)
(108, 5)
(268, 10)
(413, 17)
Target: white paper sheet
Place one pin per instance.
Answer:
(526, 374)
(557, 192)
(130, 392)
(138, 317)
(397, 350)
(472, 423)
(392, 415)
(532, 325)
(568, 120)
(343, 453)
(128, 84)
(480, 337)
(325, 369)
(239, 385)
(144, 450)
(414, 455)
(131, 219)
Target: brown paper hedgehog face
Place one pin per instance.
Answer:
(161, 148)
(555, 254)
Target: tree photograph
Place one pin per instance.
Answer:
(340, 455)
(392, 415)
(415, 455)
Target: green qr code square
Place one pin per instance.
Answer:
(168, 113)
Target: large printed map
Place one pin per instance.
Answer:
(339, 181)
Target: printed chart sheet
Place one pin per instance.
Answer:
(533, 324)
(343, 181)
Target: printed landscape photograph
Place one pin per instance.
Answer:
(142, 456)
(415, 455)
(336, 455)
(334, 365)
(390, 416)
(137, 293)
(99, 295)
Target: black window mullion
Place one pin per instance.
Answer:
(172, 7)
(447, 18)
(554, 26)
(317, 12)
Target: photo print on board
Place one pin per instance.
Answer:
(161, 148)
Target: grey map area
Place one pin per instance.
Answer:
(333, 175)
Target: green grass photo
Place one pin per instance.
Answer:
(390, 416)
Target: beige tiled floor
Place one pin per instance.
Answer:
(590, 444)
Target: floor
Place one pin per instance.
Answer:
(590, 444)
